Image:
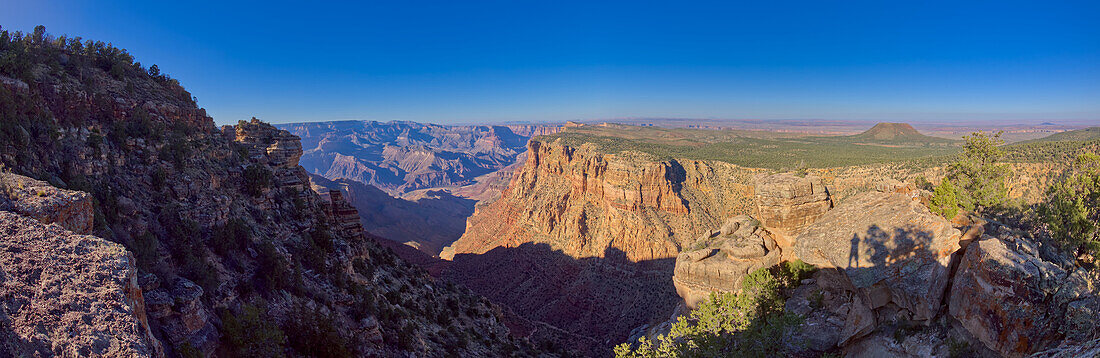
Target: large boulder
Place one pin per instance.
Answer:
(718, 262)
(894, 253)
(1015, 302)
(789, 203)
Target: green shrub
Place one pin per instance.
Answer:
(176, 151)
(158, 177)
(945, 200)
(791, 273)
(233, 236)
(313, 333)
(257, 178)
(145, 249)
(252, 334)
(747, 324)
(274, 271)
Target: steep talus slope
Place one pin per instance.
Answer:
(399, 157)
(233, 252)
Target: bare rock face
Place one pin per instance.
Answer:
(43, 202)
(1084, 349)
(1017, 303)
(66, 294)
(893, 252)
(791, 203)
(718, 262)
(345, 216)
(182, 317)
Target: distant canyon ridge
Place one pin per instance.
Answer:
(400, 157)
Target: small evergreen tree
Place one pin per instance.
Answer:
(945, 200)
(1072, 208)
(252, 334)
(978, 173)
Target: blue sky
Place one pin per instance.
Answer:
(474, 61)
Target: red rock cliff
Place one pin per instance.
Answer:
(583, 202)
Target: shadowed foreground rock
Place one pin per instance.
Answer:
(68, 295)
(894, 253)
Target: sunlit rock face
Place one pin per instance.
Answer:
(38, 200)
(893, 253)
(790, 203)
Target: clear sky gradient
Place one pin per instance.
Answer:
(473, 61)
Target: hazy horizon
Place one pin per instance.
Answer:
(488, 62)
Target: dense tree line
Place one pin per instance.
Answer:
(21, 52)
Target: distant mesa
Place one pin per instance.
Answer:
(891, 131)
(896, 133)
(1047, 124)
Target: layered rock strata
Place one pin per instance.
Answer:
(582, 202)
(399, 157)
(788, 203)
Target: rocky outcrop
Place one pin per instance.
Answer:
(891, 248)
(1017, 303)
(273, 147)
(43, 202)
(789, 203)
(1085, 349)
(64, 293)
(718, 262)
(345, 216)
(180, 313)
